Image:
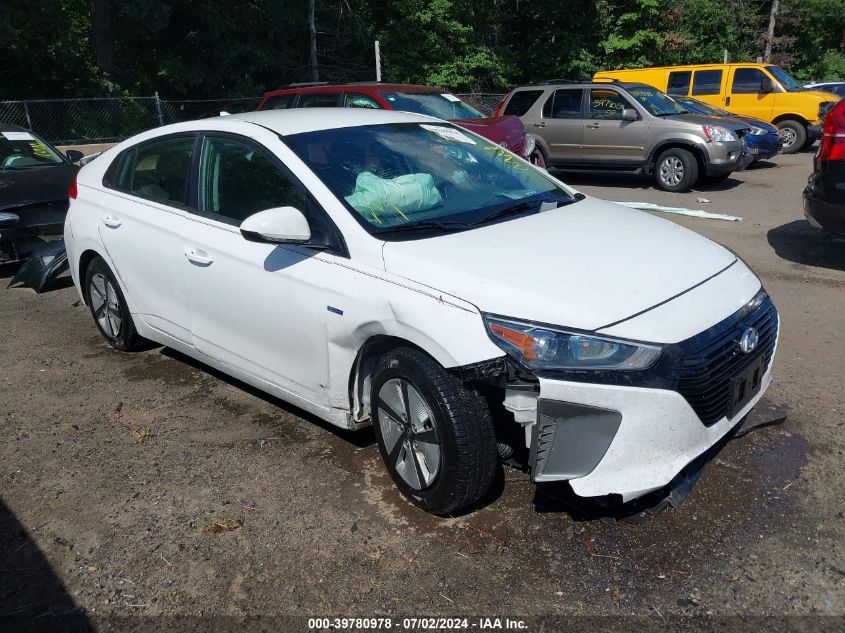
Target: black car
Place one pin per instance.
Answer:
(824, 196)
(34, 181)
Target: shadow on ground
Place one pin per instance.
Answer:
(801, 243)
(32, 598)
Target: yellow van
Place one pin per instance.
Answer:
(762, 91)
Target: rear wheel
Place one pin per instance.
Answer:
(676, 170)
(436, 436)
(793, 134)
(109, 309)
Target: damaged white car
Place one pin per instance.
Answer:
(389, 268)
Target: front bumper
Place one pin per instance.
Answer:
(21, 233)
(724, 158)
(814, 132)
(634, 436)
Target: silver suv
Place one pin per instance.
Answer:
(635, 128)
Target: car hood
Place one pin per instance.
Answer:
(700, 119)
(21, 188)
(502, 130)
(585, 265)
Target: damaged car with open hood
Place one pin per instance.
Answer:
(388, 268)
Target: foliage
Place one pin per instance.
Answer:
(194, 49)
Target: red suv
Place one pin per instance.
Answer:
(506, 131)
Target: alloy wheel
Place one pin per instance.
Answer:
(105, 305)
(671, 171)
(787, 136)
(410, 437)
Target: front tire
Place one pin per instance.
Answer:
(434, 434)
(793, 134)
(538, 159)
(109, 309)
(676, 170)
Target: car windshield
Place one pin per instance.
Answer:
(406, 179)
(21, 150)
(786, 80)
(655, 101)
(704, 108)
(442, 106)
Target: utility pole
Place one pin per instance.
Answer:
(770, 34)
(312, 32)
(378, 61)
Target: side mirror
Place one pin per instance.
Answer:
(282, 225)
(767, 85)
(629, 114)
(74, 155)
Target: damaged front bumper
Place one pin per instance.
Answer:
(21, 232)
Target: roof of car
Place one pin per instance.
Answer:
(560, 83)
(297, 120)
(8, 127)
(363, 86)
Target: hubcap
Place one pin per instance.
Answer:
(410, 438)
(787, 136)
(671, 170)
(105, 305)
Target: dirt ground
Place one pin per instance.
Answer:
(146, 485)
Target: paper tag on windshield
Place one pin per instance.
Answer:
(449, 133)
(449, 97)
(18, 136)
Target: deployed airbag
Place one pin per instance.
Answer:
(389, 200)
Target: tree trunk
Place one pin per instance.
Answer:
(770, 34)
(102, 36)
(312, 31)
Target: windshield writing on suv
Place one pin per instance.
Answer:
(657, 103)
(19, 150)
(789, 83)
(431, 176)
(442, 106)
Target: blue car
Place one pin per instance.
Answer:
(764, 137)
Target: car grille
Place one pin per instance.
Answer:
(707, 372)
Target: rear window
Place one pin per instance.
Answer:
(521, 102)
(318, 100)
(564, 104)
(679, 82)
(280, 102)
(707, 82)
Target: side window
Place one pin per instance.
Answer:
(354, 100)
(522, 101)
(679, 81)
(238, 179)
(564, 104)
(838, 90)
(707, 82)
(607, 104)
(318, 100)
(158, 170)
(747, 81)
(280, 102)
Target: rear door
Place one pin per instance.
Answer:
(609, 139)
(746, 96)
(141, 226)
(562, 124)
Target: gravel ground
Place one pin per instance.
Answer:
(137, 485)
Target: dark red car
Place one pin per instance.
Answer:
(506, 131)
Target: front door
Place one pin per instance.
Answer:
(746, 95)
(609, 139)
(141, 223)
(259, 307)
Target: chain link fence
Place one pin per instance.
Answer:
(112, 119)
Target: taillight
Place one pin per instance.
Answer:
(832, 146)
(72, 190)
(499, 107)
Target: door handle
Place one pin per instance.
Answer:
(727, 101)
(110, 221)
(594, 126)
(197, 256)
(539, 124)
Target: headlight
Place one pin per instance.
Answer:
(758, 131)
(529, 146)
(543, 347)
(718, 133)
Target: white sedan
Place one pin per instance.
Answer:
(390, 268)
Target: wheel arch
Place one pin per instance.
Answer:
(790, 117)
(690, 146)
(88, 255)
